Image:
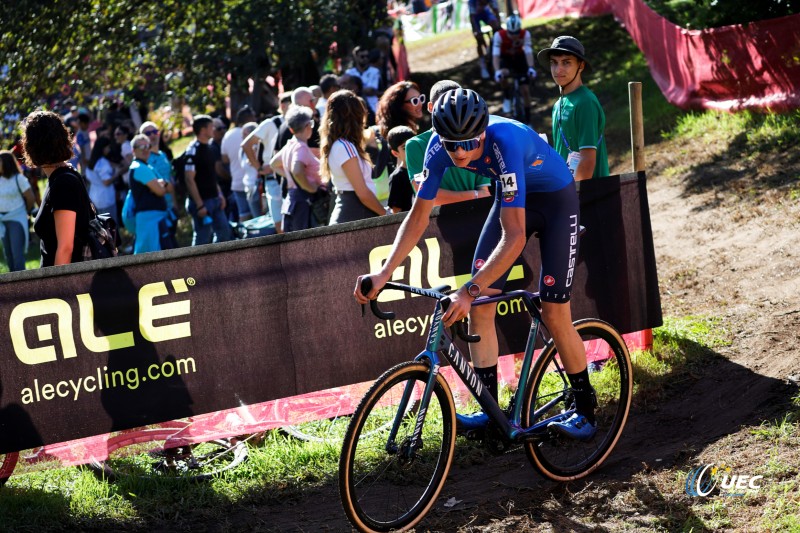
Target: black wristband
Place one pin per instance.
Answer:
(201, 207)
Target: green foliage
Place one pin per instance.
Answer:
(762, 132)
(86, 47)
(700, 14)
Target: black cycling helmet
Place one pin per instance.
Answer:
(460, 114)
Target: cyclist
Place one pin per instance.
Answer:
(485, 11)
(535, 192)
(512, 58)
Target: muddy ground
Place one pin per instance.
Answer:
(725, 230)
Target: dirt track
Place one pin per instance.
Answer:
(724, 246)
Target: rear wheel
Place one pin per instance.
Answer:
(548, 391)
(386, 487)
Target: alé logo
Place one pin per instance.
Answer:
(151, 324)
(413, 273)
(704, 479)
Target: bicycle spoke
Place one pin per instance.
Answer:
(390, 490)
(560, 457)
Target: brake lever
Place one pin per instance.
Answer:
(366, 286)
(458, 329)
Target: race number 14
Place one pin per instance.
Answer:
(509, 182)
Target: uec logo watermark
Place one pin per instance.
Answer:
(703, 479)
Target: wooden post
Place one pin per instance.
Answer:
(637, 152)
(637, 125)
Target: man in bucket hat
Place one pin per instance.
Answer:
(578, 118)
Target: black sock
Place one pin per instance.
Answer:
(488, 376)
(584, 394)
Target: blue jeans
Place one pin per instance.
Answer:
(254, 200)
(242, 204)
(219, 225)
(14, 246)
(274, 199)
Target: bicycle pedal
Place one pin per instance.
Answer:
(474, 434)
(496, 446)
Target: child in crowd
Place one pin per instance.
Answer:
(400, 191)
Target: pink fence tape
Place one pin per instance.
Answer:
(330, 403)
(748, 66)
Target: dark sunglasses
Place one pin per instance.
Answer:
(469, 144)
(417, 100)
(150, 132)
(220, 128)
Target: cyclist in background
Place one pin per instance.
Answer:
(485, 11)
(512, 58)
(535, 192)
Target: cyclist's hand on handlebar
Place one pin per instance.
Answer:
(460, 304)
(377, 284)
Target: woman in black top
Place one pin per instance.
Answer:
(63, 220)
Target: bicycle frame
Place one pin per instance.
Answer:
(440, 342)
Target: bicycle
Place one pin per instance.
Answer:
(395, 460)
(518, 106)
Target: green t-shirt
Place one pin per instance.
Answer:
(580, 118)
(454, 179)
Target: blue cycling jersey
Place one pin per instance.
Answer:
(473, 5)
(513, 155)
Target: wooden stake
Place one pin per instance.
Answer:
(637, 124)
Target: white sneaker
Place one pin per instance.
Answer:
(506, 106)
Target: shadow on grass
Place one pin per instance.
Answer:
(674, 417)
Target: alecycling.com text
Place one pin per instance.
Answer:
(103, 379)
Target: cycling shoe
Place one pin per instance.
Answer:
(474, 422)
(575, 427)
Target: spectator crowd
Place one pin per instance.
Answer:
(348, 148)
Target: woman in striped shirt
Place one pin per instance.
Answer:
(344, 161)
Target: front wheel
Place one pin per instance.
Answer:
(548, 396)
(389, 486)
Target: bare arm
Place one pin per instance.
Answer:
(512, 242)
(352, 170)
(159, 187)
(496, 51)
(585, 168)
(300, 178)
(30, 200)
(249, 145)
(222, 170)
(450, 197)
(407, 237)
(65, 235)
(277, 163)
(191, 188)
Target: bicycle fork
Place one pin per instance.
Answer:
(435, 336)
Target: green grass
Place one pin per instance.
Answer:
(282, 468)
(32, 256)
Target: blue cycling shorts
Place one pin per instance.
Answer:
(484, 15)
(555, 216)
